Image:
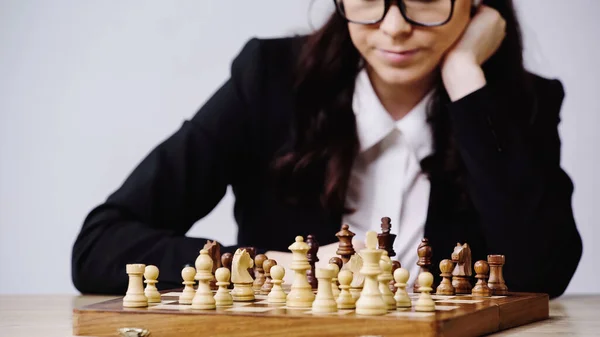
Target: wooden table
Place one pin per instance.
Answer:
(50, 316)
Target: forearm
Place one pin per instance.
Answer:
(108, 243)
(504, 180)
(462, 77)
(501, 172)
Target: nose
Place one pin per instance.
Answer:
(394, 24)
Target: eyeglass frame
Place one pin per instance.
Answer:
(402, 7)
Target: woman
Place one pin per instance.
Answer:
(420, 111)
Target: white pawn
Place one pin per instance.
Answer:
(345, 299)
(334, 281)
(135, 297)
(401, 276)
(384, 280)
(425, 302)
(151, 292)
(277, 295)
(204, 298)
(223, 298)
(188, 274)
(324, 301)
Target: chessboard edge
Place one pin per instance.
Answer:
(106, 323)
(512, 315)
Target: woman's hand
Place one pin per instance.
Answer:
(461, 68)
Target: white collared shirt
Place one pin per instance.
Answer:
(387, 173)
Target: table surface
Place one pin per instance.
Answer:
(50, 316)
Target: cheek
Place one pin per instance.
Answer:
(449, 34)
(360, 36)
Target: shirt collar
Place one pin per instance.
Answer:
(374, 123)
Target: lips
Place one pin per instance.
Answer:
(397, 57)
(402, 52)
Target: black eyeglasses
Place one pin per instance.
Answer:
(428, 13)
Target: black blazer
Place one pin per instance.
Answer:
(521, 197)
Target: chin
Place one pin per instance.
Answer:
(399, 76)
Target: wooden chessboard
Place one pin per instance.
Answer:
(459, 315)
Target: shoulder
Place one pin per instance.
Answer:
(279, 49)
(262, 77)
(263, 69)
(546, 85)
(266, 59)
(547, 96)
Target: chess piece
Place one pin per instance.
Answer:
(371, 301)
(384, 280)
(301, 294)
(337, 261)
(385, 238)
(267, 285)
(425, 301)
(214, 250)
(252, 252)
(496, 281)
(345, 299)
(187, 295)
(277, 295)
(354, 265)
(445, 287)
(259, 272)
(240, 276)
(203, 299)
(226, 260)
(312, 257)
(335, 290)
(402, 299)
(223, 298)
(135, 297)
(461, 257)
(481, 288)
(345, 248)
(324, 301)
(151, 292)
(392, 284)
(425, 253)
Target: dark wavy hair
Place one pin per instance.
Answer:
(325, 138)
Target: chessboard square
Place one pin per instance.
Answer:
(441, 297)
(345, 311)
(335, 313)
(453, 301)
(170, 307)
(241, 304)
(172, 294)
(411, 314)
(162, 302)
(250, 309)
(433, 297)
(446, 307)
